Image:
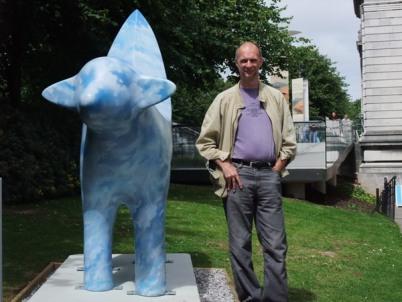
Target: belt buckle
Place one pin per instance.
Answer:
(255, 164)
(260, 164)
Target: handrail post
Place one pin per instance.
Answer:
(384, 204)
(392, 199)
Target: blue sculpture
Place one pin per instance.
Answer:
(125, 152)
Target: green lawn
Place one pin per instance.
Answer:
(334, 254)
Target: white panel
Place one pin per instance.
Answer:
(379, 1)
(382, 91)
(383, 106)
(382, 45)
(384, 122)
(383, 114)
(382, 155)
(381, 30)
(395, 107)
(382, 68)
(382, 60)
(381, 37)
(390, 52)
(382, 15)
(382, 76)
(383, 99)
(382, 128)
(382, 22)
(382, 11)
(383, 83)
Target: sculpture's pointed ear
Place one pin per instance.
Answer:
(61, 93)
(150, 91)
(136, 44)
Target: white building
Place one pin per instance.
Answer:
(380, 47)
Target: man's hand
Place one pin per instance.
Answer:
(230, 173)
(279, 165)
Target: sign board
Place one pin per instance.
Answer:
(398, 195)
(300, 104)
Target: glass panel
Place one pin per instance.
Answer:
(310, 137)
(340, 135)
(185, 154)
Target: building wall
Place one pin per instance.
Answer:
(381, 35)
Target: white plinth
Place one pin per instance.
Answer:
(63, 285)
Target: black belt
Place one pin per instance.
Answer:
(253, 164)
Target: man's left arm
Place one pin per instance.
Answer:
(288, 149)
(280, 164)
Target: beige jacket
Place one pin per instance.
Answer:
(219, 128)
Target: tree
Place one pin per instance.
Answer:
(204, 40)
(202, 45)
(327, 89)
(46, 41)
(50, 40)
(354, 110)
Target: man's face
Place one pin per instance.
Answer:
(248, 62)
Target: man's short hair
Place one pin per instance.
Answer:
(245, 43)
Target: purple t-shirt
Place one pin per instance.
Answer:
(254, 138)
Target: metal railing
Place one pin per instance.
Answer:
(326, 139)
(386, 200)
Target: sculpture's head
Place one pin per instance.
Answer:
(109, 91)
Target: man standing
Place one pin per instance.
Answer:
(248, 138)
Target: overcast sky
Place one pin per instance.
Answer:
(332, 26)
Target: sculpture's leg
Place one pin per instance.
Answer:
(98, 228)
(150, 270)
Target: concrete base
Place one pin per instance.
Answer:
(65, 285)
(371, 175)
(295, 190)
(320, 186)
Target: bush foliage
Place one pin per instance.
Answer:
(39, 152)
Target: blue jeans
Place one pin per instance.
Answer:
(260, 201)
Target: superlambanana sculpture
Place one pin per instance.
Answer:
(123, 101)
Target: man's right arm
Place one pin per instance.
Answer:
(208, 146)
(208, 140)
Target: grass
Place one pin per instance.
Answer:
(334, 254)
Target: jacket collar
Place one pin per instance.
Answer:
(262, 96)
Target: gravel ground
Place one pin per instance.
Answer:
(213, 285)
